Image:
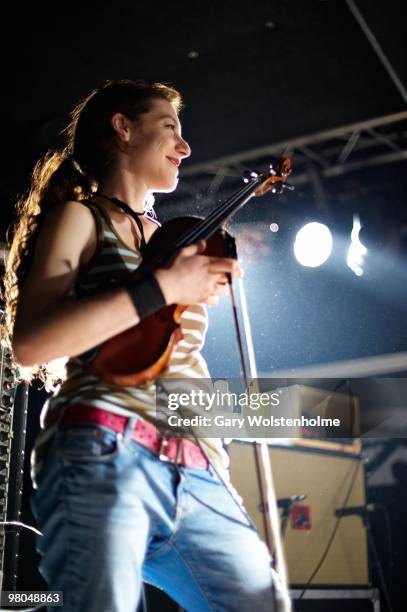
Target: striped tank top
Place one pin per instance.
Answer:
(110, 265)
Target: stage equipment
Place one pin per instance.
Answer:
(313, 244)
(312, 484)
(13, 416)
(322, 417)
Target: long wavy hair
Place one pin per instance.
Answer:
(70, 173)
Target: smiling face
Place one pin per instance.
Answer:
(155, 147)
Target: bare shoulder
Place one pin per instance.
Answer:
(71, 213)
(68, 231)
(67, 237)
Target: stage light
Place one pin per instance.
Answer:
(313, 244)
(357, 250)
(274, 227)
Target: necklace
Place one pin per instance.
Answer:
(126, 208)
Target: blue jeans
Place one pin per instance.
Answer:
(113, 515)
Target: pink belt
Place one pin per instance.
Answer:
(173, 449)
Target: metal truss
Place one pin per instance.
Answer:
(329, 153)
(373, 142)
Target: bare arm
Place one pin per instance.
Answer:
(49, 324)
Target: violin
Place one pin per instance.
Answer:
(139, 354)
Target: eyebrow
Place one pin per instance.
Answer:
(168, 117)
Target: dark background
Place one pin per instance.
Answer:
(253, 74)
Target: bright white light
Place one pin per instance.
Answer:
(274, 227)
(313, 244)
(357, 250)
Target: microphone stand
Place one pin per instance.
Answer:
(366, 523)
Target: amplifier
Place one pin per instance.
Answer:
(316, 405)
(312, 534)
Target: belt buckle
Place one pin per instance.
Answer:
(163, 446)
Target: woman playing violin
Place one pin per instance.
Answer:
(117, 502)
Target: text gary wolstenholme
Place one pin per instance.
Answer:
(252, 420)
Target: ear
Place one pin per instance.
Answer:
(121, 126)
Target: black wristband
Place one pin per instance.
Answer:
(146, 295)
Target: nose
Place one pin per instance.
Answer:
(182, 147)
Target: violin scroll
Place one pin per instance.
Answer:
(275, 179)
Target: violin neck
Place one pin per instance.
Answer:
(207, 227)
(219, 216)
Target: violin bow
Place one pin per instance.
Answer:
(261, 453)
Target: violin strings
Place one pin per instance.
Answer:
(210, 223)
(208, 226)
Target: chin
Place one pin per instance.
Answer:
(167, 188)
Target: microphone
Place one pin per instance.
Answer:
(284, 502)
(355, 510)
